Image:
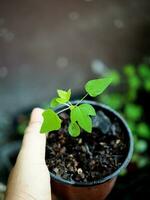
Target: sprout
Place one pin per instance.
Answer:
(80, 114)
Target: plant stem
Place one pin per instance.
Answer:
(69, 103)
(63, 110)
(82, 99)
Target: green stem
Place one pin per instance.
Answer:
(82, 99)
(63, 110)
(70, 103)
(67, 104)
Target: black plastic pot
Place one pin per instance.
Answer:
(98, 190)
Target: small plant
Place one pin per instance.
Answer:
(80, 114)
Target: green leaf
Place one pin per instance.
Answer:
(132, 95)
(141, 146)
(143, 130)
(54, 103)
(65, 95)
(116, 100)
(87, 109)
(133, 112)
(51, 121)
(97, 86)
(147, 85)
(74, 129)
(79, 115)
(135, 158)
(132, 126)
(143, 161)
(134, 83)
(61, 101)
(140, 160)
(144, 71)
(129, 70)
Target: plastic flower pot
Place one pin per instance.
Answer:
(97, 190)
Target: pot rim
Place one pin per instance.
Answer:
(126, 160)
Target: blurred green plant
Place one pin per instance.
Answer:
(133, 111)
(134, 79)
(22, 124)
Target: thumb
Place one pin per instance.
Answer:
(30, 177)
(33, 145)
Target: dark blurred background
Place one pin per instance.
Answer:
(50, 44)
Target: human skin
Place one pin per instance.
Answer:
(30, 179)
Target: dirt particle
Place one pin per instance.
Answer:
(80, 171)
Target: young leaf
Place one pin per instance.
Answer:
(97, 86)
(54, 103)
(87, 109)
(64, 95)
(61, 101)
(74, 129)
(51, 121)
(79, 115)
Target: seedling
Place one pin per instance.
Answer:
(80, 114)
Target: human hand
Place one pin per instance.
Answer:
(30, 179)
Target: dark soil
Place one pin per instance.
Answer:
(88, 157)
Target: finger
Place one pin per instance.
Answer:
(30, 177)
(33, 145)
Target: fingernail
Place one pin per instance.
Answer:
(36, 116)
